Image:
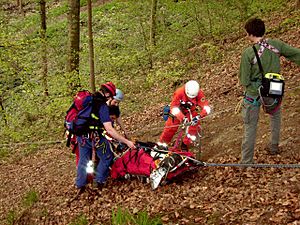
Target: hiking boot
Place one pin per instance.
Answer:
(273, 149)
(156, 176)
(97, 185)
(127, 176)
(81, 190)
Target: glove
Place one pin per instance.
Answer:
(195, 120)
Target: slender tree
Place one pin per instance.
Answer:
(91, 47)
(297, 4)
(2, 109)
(74, 42)
(20, 6)
(44, 46)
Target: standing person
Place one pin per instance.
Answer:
(96, 116)
(117, 99)
(269, 51)
(187, 101)
(114, 113)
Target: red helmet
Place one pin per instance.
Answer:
(110, 87)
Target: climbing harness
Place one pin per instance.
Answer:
(252, 101)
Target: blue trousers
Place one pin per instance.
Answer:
(104, 154)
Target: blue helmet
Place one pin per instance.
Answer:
(119, 95)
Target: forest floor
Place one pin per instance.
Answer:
(211, 195)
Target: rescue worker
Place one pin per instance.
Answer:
(269, 51)
(117, 99)
(188, 105)
(114, 113)
(95, 139)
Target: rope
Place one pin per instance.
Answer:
(252, 165)
(238, 106)
(32, 143)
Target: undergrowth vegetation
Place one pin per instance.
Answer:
(123, 217)
(122, 55)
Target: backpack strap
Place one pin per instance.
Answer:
(96, 103)
(265, 45)
(258, 61)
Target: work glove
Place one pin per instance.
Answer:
(195, 120)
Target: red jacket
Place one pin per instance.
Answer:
(196, 103)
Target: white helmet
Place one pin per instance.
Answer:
(119, 95)
(192, 88)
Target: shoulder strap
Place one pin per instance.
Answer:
(266, 45)
(263, 44)
(258, 61)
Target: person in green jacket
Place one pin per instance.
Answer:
(269, 51)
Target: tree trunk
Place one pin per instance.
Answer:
(20, 6)
(91, 47)
(2, 108)
(44, 46)
(74, 42)
(297, 4)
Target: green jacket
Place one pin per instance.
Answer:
(250, 76)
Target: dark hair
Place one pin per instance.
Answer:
(114, 110)
(105, 91)
(256, 27)
(98, 97)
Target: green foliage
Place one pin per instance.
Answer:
(123, 217)
(59, 9)
(214, 218)
(29, 149)
(11, 217)
(80, 220)
(120, 217)
(44, 213)
(4, 152)
(30, 198)
(211, 51)
(142, 218)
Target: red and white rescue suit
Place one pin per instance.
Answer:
(196, 105)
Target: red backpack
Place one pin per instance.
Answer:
(81, 100)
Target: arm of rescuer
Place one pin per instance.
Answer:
(109, 128)
(199, 101)
(121, 124)
(203, 103)
(175, 104)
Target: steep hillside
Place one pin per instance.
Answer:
(212, 195)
